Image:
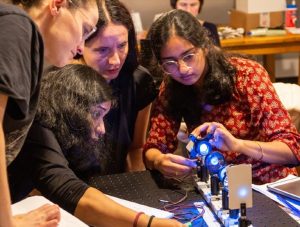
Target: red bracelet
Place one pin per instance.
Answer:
(137, 218)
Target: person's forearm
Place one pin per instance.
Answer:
(274, 152)
(5, 210)
(96, 209)
(135, 151)
(135, 160)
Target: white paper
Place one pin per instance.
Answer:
(142, 208)
(33, 202)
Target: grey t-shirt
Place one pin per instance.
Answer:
(21, 65)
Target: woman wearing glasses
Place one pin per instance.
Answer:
(227, 96)
(35, 31)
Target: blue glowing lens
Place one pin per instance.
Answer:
(214, 162)
(203, 147)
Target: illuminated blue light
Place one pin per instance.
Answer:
(214, 162)
(203, 148)
(242, 192)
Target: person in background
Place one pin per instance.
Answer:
(66, 146)
(194, 7)
(36, 29)
(112, 52)
(228, 96)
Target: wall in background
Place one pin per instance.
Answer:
(214, 11)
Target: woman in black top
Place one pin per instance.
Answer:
(112, 52)
(194, 7)
(66, 146)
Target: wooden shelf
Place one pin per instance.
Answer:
(267, 46)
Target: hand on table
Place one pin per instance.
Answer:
(44, 216)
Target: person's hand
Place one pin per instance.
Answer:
(222, 138)
(44, 216)
(176, 166)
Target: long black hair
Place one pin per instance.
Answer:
(66, 97)
(218, 82)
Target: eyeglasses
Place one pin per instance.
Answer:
(87, 33)
(172, 66)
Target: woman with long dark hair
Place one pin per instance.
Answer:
(66, 145)
(112, 52)
(230, 97)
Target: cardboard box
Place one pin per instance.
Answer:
(260, 6)
(250, 21)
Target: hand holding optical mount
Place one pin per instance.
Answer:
(207, 160)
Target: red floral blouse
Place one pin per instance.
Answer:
(254, 113)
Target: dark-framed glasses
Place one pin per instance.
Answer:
(172, 66)
(87, 31)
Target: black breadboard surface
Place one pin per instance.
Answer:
(266, 212)
(147, 188)
(138, 187)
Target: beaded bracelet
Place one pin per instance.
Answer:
(137, 218)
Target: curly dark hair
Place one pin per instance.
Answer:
(218, 82)
(66, 97)
(173, 4)
(116, 12)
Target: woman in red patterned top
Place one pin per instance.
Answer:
(230, 97)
